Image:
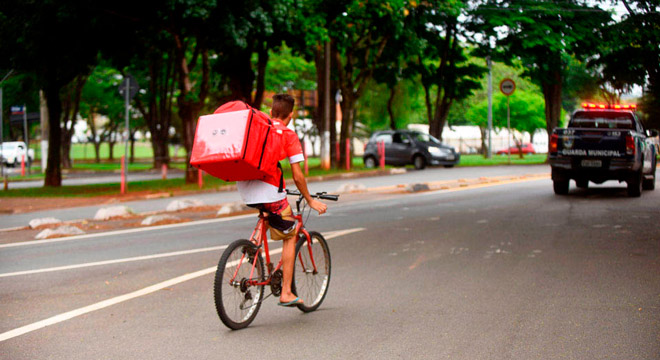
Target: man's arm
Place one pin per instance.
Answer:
(301, 184)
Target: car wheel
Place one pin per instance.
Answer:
(370, 162)
(649, 184)
(419, 162)
(449, 166)
(635, 185)
(560, 187)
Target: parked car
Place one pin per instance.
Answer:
(405, 147)
(527, 148)
(13, 152)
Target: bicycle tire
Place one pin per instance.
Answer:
(311, 288)
(239, 315)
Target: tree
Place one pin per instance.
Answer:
(544, 36)
(359, 36)
(32, 32)
(630, 54)
(441, 61)
(100, 98)
(526, 113)
(70, 95)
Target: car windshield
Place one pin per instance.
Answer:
(421, 137)
(602, 120)
(9, 146)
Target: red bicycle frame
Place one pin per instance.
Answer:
(260, 238)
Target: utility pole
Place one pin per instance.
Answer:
(490, 107)
(325, 148)
(2, 110)
(128, 130)
(44, 130)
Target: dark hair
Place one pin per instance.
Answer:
(282, 105)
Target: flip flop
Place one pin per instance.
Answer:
(291, 303)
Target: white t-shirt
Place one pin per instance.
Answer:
(266, 191)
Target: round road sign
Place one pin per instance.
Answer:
(507, 87)
(133, 86)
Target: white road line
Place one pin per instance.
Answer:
(330, 234)
(127, 231)
(145, 291)
(115, 261)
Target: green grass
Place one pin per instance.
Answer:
(480, 160)
(86, 151)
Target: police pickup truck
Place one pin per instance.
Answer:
(604, 142)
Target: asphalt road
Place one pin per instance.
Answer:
(508, 271)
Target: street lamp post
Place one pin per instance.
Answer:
(490, 107)
(2, 163)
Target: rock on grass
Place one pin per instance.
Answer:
(112, 212)
(61, 231)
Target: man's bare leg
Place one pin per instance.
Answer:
(288, 259)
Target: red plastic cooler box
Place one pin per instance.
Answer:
(232, 145)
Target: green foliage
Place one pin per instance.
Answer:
(408, 106)
(286, 71)
(526, 111)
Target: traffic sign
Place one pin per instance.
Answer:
(507, 87)
(17, 110)
(133, 86)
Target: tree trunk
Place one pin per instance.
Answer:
(242, 77)
(347, 111)
(189, 103)
(69, 115)
(53, 169)
(552, 96)
(97, 151)
(390, 111)
(261, 77)
(484, 146)
(132, 150)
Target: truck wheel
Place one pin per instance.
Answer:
(649, 184)
(560, 187)
(635, 185)
(582, 184)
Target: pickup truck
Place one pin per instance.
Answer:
(604, 143)
(13, 152)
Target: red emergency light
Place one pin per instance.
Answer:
(632, 107)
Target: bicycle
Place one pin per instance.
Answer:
(239, 283)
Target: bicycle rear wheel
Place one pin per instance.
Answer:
(309, 284)
(236, 302)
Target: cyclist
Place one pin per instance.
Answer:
(269, 195)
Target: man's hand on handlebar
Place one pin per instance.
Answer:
(318, 206)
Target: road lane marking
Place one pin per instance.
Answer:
(127, 231)
(145, 291)
(115, 261)
(148, 257)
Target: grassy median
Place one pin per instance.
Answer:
(209, 182)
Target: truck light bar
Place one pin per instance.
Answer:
(607, 106)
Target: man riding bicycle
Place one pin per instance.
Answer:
(269, 195)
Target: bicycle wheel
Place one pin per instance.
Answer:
(310, 285)
(236, 302)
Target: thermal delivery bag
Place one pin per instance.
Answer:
(233, 143)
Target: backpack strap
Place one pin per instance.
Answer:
(281, 187)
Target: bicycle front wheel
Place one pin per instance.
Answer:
(236, 301)
(311, 273)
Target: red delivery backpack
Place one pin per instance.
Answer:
(236, 143)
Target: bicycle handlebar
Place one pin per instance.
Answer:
(320, 195)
